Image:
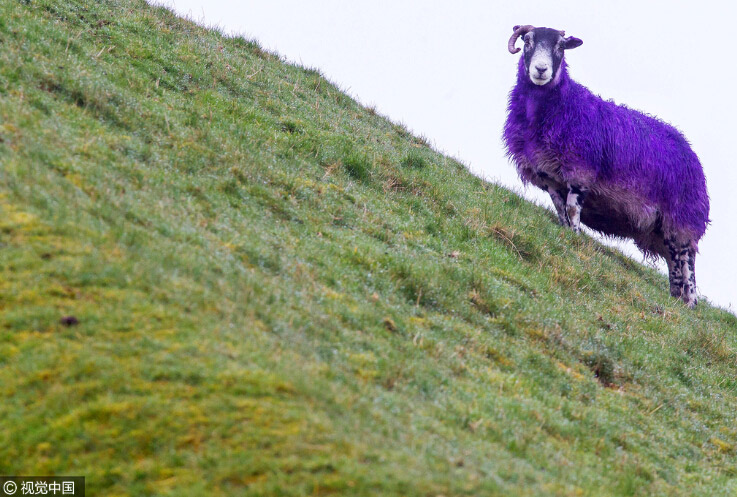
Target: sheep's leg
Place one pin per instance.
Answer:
(689, 278)
(675, 278)
(681, 271)
(557, 195)
(574, 204)
(667, 249)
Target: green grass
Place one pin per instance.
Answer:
(280, 292)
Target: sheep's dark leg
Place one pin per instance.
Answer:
(557, 195)
(674, 275)
(675, 268)
(681, 271)
(689, 278)
(668, 251)
(574, 204)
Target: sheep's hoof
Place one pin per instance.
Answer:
(692, 303)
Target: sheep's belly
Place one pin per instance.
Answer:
(619, 213)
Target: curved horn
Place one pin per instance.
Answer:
(518, 31)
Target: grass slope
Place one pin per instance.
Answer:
(280, 292)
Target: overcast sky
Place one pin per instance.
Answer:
(443, 69)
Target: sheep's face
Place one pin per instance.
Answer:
(544, 51)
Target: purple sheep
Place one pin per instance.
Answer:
(638, 175)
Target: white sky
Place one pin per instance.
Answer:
(443, 69)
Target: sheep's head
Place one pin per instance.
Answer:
(544, 50)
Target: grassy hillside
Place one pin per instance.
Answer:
(276, 291)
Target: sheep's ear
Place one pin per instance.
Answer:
(572, 42)
(515, 28)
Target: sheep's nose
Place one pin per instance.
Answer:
(541, 69)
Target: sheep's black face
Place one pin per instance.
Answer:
(544, 51)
